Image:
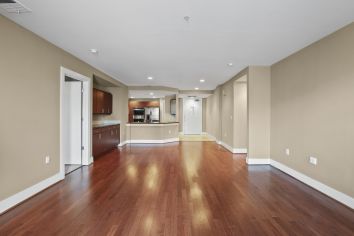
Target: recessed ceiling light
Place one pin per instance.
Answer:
(196, 88)
(230, 64)
(202, 80)
(187, 18)
(151, 94)
(94, 50)
(150, 78)
(132, 97)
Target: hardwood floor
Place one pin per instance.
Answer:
(191, 188)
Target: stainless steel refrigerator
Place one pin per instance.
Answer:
(152, 114)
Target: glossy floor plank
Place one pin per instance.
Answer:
(187, 188)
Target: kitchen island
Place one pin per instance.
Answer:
(163, 132)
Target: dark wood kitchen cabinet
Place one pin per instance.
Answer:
(102, 102)
(105, 139)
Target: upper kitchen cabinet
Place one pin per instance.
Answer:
(102, 102)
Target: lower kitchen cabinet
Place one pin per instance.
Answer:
(105, 139)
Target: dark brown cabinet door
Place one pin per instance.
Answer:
(102, 102)
(96, 144)
(108, 103)
(105, 139)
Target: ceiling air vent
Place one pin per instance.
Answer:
(12, 6)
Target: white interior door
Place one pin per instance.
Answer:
(73, 131)
(192, 113)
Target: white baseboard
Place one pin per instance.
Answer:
(122, 144)
(240, 150)
(335, 194)
(257, 161)
(211, 136)
(228, 147)
(233, 150)
(17, 198)
(144, 141)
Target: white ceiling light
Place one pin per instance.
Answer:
(154, 97)
(196, 88)
(230, 64)
(151, 94)
(93, 50)
(132, 97)
(150, 78)
(187, 18)
(202, 80)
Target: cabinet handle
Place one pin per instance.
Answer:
(99, 136)
(102, 110)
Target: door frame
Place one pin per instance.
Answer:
(86, 116)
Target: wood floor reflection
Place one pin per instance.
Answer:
(187, 188)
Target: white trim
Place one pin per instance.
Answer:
(122, 144)
(19, 197)
(211, 136)
(240, 150)
(232, 150)
(331, 192)
(257, 161)
(143, 141)
(87, 134)
(228, 147)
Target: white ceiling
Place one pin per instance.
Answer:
(150, 93)
(137, 39)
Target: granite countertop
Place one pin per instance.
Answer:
(104, 123)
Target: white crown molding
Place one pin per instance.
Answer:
(19, 197)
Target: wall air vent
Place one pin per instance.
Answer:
(13, 6)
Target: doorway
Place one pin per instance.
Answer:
(75, 124)
(192, 116)
(73, 118)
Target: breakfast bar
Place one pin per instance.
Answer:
(164, 132)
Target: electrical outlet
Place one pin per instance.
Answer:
(287, 151)
(230, 117)
(169, 131)
(313, 160)
(47, 160)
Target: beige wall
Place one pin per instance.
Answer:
(227, 112)
(213, 118)
(258, 85)
(152, 131)
(313, 110)
(29, 98)
(119, 110)
(180, 114)
(204, 110)
(240, 115)
(165, 109)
